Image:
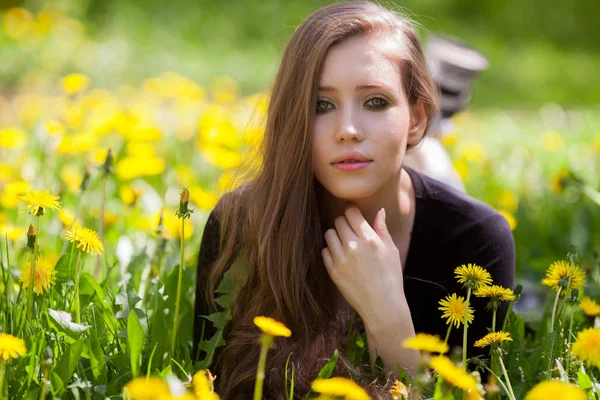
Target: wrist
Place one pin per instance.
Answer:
(393, 320)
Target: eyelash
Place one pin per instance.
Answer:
(382, 106)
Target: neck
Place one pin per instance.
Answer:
(397, 197)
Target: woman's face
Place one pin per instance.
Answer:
(360, 107)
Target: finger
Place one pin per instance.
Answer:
(381, 228)
(345, 232)
(335, 246)
(359, 224)
(328, 260)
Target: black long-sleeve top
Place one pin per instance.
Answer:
(450, 229)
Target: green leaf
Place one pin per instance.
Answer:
(327, 370)
(127, 298)
(66, 365)
(583, 380)
(96, 355)
(61, 322)
(135, 336)
(62, 268)
(219, 320)
(88, 287)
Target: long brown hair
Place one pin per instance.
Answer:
(276, 220)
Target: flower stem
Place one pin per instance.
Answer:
(179, 283)
(511, 393)
(549, 372)
(499, 381)
(554, 309)
(507, 316)
(76, 300)
(568, 356)
(101, 227)
(494, 319)
(32, 270)
(466, 323)
(2, 370)
(448, 333)
(265, 341)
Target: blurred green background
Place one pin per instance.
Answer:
(539, 51)
(528, 145)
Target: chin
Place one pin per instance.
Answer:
(351, 191)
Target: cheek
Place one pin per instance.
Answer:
(390, 136)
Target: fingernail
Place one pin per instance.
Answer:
(383, 210)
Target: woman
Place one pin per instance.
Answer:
(332, 224)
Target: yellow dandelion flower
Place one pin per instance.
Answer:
(508, 200)
(13, 233)
(473, 276)
(38, 201)
(146, 389)
(66, 217)
(203, 199)
(340, 387)
(272, 327)
(203, 385)
(510, 218)
(493, 339)
(129, 194)
(12, 138)
(75, 83)
(11, 347)
(587, 346)
(134, 167)
(454, 307)
(555, 390)
(398, 391)
(590, 307)
(560, 181)
(558, 274)
(43, 278)
(495, 293)
(85, 239)
(553, 141)
(426, 342)
(455, 376)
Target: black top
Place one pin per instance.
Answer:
(450, 229)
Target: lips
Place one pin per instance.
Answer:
(351, 157)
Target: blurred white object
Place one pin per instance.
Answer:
(432, 159)
(454, 65)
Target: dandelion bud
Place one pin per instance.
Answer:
(31, 235)
(108, 166)
(161, 227)
(574, 299)
(48, 356)
(185, 197)
(183, 211)
(518, 290)
(398, 391)
(86, 179)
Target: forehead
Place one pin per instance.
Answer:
(362, 59)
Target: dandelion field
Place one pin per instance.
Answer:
(103, 195)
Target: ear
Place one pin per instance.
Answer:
(418, 123)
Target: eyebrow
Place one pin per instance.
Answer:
(360, 87)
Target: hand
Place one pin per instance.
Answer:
(364, 263)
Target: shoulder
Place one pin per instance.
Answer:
(444, 198)
(453, 216)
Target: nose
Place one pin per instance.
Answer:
(347, 129)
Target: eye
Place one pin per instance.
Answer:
(377, 102)
(323, 106)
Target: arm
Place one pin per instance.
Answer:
(384, 340)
